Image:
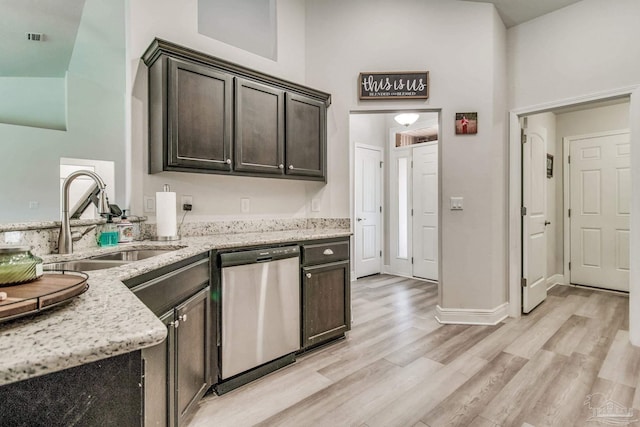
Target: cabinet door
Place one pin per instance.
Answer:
(306, 137)
(158, 379)
(192, 352)
(259, 128)
(199, 108)
(326, 302)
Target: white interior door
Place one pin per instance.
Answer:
(368, 225)
(425, 211)
(600, 186)
(534, 195)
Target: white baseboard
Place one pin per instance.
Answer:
(468, 316)
(556, 279)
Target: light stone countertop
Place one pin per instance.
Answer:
(109, 319)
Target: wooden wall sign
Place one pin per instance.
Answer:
(399, 85)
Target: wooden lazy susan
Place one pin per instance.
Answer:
(53, 288)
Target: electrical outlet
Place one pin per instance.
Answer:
(315, 205)
(149, 204)
(245, 205)
(187, 200)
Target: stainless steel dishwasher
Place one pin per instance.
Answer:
(260, 315)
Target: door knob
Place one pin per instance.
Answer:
(280, 166)
(228, 161)
(308, 275)
(359, 219)
(183, 317)
(290, 167)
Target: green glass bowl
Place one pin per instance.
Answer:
(18, 265)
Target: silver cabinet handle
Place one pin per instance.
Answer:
(280, 166)
(182, 317)
(290, 166)
(308, 275)
(327, 252)
(228, 161)
(175, 324)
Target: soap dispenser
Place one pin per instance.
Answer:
(109, 235)
(125, 229)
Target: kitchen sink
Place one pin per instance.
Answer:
(132, 255)
(114, 259)
(85, 265)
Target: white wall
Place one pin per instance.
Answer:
(580, 51)
(95, 121)
(462, 45)
(216, 196)
(593, 120)
(588, 47)
(33, 101)
(370, 129)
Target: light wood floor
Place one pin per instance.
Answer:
(399, 367)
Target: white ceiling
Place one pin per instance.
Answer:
(58, 20)
(514, 12)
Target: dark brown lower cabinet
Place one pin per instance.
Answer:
(325, 307)
(326, 291)
(102, 393)
(172, 394)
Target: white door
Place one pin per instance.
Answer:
(534, 197)
(425, 211)
(368, 225)
(600, 204)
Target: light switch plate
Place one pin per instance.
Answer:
(149, 204)
(315, 205)
(456, 203)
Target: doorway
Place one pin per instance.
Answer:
(408, 191)
(549, 247)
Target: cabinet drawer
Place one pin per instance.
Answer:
(170, 289)
(321, 253)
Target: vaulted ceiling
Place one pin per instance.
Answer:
(514, 12)
(58, 20)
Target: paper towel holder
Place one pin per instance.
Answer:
(157, 238)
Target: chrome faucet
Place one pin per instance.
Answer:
(65, 240)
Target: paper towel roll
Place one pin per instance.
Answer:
(166, 214)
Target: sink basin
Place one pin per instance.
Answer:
(85, 265)
(132, 255)
(114, 259)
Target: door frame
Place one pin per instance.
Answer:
(352, 143)
(381, 198)
(515, 196)
(566, 194)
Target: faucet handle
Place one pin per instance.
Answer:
(77, 235)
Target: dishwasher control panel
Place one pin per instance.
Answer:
(258, 255)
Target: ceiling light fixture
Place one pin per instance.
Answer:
(406, 119)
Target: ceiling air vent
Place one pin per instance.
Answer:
(35, 37)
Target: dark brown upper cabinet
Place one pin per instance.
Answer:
(306, 137)
(259, 128)
(212, 116)
(193, 129)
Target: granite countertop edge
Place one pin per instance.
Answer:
(109, 319)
